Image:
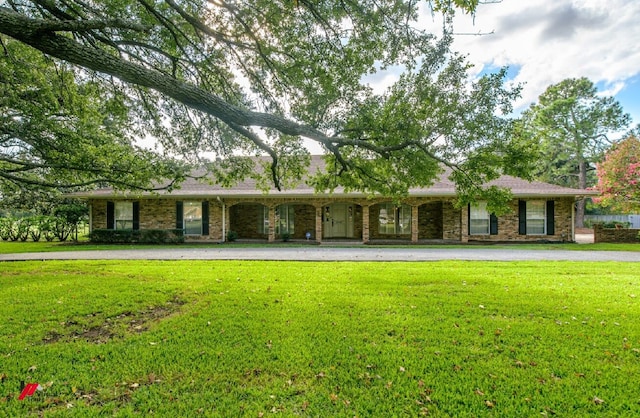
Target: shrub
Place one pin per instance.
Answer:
(232, 236)
(616, 224)
(143, 236)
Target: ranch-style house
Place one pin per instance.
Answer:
(205, 212)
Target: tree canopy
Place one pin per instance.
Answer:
(262, 77)
(573, 123)
(60, 133)
(619, 177)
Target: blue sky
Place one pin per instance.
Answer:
(546, 41)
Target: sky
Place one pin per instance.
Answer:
(546, 41)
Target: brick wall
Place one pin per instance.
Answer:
(626, 235)
(437, 219)
(430, 221)
(508, 225)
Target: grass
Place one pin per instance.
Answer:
(257, 339)
(8, 247)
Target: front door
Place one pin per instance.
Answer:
(337, 221)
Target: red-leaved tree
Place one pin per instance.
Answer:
(619, 177)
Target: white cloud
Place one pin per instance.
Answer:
(551, 40)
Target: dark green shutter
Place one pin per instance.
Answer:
(469, 219)
(111, 219)
(522, 217)
(179, 215)
(551, 223)
(136, 215)
(493, 224)
(205, 217)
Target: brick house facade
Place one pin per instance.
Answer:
(539, 212)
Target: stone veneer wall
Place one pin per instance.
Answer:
(437, 218)
(626, 235)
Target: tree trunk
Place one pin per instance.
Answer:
(582, 184)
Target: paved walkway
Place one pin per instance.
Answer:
(327, 253)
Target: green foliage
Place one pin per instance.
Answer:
(572, 123)
(61, 130)
(616, 224)
(263, 77)
(36, 227)
(236, 338)
(142, 236)
(619, 177)
(232, 236)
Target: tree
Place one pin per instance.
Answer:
(573, 123)
(262, 76)
(619, 177)
(59, 133)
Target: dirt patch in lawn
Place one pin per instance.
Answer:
(98, 328)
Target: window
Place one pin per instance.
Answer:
(192, 218)
(536, 217)
(285, 220)
(479, 219)
(263, 220)
(394, 220)
(284, 223)
(123, 215)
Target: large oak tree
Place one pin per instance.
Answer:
(59, 133)
(262, 77)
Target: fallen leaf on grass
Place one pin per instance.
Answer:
(597, 400)
(478, 392)
(489, 404)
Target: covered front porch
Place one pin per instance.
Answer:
(364, 221)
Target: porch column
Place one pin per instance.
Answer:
(318, 224)
(272, 224)
(464, 224)
(365, 224)
(414, 224)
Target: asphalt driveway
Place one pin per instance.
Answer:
(329, 253)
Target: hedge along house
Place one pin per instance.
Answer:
(205, 212)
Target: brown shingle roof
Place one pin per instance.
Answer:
(441, 187)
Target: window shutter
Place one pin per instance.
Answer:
(111, 219)
(493, 224)
(179, 215)
(205, 217)
(136, 215)
(469, 219)
(522, 217)
(551, 223)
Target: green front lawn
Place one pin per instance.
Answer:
(8, 247)
(257, 339)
